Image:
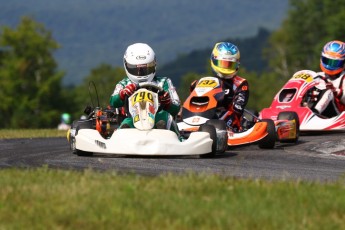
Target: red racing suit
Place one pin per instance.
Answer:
(235, 99)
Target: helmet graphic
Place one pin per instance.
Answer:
(140, 62)
(225, 60)
(333, 58)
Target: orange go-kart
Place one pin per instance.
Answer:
(203, 110)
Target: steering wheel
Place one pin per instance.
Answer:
(144, 85)
(150, 86)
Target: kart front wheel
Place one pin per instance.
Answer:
(77, 151)
(213, 135)
(222, 134)
(268, 141)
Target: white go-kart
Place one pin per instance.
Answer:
(100, 132)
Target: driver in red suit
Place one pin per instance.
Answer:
(225, 63)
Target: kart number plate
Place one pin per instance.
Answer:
(208, 83)
(142, 96)
(304, 76)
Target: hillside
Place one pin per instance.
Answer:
(93, 32)
(197, 61)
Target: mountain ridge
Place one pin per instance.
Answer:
(99, 31)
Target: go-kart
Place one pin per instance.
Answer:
(297, 95)
(100, 132)
(203, 107)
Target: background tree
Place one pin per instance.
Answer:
(105, 78)
(298, 43)
(30, 83)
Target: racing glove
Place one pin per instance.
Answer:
(331, 87)
(165, 99)
(128, 90)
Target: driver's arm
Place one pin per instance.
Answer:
(174, 108)
(115, 99)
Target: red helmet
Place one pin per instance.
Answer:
(332, 61)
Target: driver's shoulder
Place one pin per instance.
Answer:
(125, 81)
(160, 78)
(162, 81)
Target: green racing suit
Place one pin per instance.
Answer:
(166, 115)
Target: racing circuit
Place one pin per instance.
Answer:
(313, 158)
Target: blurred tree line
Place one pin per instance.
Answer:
(32, 94)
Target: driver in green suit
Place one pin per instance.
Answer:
(140, 66)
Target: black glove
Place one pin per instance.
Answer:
(164, 99)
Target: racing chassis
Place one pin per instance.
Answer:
(298, 95)
(202, 107)
(100, 132)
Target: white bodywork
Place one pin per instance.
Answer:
(312, 122)
(157, 142)
(143, 139)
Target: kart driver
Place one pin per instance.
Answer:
(140, 65)
(331, 101)
(65, 123)
(225, 63)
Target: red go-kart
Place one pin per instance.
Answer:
(297, 95)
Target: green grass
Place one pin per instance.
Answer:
(46, 198)
(31, 133)
(60, 199)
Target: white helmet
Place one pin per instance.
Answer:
(140, 62)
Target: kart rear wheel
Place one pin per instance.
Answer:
(213, 135)
(268, 142)
(222, 135)
(290, 116)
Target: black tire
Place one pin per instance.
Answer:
(268, 142)
(213, 135)
(222, 135)
(290, 115)
(218, 124)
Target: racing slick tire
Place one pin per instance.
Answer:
(222, 135)
(213, 135)
(268, 141)
(290, 115)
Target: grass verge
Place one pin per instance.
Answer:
(60, 199)
(31, 133)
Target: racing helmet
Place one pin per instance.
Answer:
(332, 61)
(139, 61)
(225, 60)
(66, 118)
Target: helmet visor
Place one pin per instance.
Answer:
(141, 69)
(332, 63)
(225, 64)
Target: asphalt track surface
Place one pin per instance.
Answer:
(313, 158)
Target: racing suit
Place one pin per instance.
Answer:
(236, 97)
(163, 115)
(331, 100)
